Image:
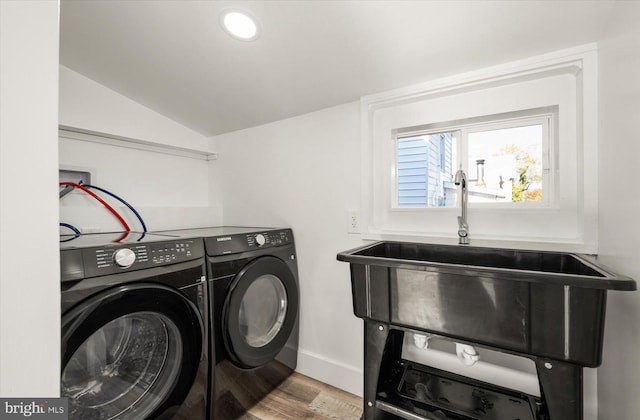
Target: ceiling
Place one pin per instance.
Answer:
(173, 56)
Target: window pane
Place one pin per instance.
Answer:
(506, 165)
(425, 170)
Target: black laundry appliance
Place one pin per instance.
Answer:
(254, 295)
(134, 327)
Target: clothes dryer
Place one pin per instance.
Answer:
(134, 327)
(254, 295)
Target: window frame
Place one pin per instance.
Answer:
(546, 116)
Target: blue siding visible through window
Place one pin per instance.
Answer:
(424, 164)
(412, 172)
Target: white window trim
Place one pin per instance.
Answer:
(580, 63)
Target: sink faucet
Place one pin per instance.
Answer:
(463, 226)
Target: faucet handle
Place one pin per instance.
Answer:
(463, 232)
(463, 237)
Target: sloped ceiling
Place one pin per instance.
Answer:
(173, 56)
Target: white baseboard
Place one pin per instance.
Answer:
(332, 372)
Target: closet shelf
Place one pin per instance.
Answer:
(131, 143)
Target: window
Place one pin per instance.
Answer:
(528, 129)
(505, 157)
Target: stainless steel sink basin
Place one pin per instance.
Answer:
(533, 266)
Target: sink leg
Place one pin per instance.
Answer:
(561, 385)
(375, 337)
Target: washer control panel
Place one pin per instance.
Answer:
(113, 259)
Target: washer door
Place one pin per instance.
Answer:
(129, 353)
(259, 312)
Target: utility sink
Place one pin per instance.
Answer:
(547, 304)
(532, 266)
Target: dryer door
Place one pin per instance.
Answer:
(259, 312)
(131, 352)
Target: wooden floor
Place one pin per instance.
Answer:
(300, 397)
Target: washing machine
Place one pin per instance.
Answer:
(254, 296)
(135, 327)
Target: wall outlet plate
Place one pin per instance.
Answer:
(353, 221)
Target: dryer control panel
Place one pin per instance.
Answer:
(243, 242)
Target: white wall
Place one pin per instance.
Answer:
(619, 221)
(29, 269)
(90, 106)
(169, 191)
(304, 173)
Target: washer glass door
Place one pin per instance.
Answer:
(122, 370)
(131, 352)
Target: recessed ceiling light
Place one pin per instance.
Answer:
(239, 25)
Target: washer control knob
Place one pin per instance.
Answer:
(124, 257)
(260, 239)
